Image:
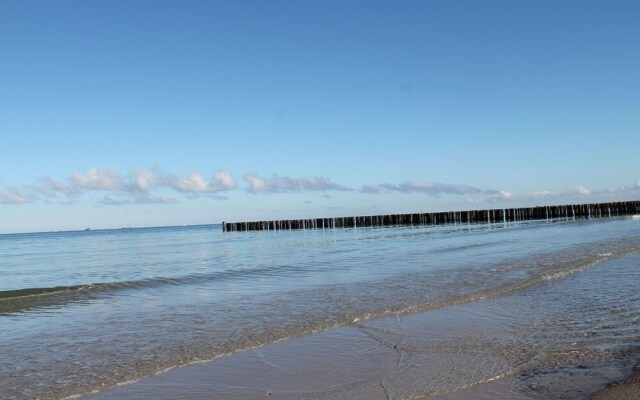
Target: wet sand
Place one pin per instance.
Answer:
(627, 389)
(354, 362)
(565, 339)
(456, 353)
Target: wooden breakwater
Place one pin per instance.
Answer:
(498, 215)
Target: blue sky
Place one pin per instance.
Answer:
(148, 113)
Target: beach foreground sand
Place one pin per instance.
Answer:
(627, 389)
(461, 352)
(566, 339)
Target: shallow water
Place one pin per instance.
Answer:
(519, 346)
(115, 306)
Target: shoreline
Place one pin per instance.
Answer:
(489, 314)
(516, 346)
(501, 348)
(626, 389)
(350, 363)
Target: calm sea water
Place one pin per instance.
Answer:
(85, 311)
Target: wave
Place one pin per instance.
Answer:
(22, 299)
(19, 300)
(19, 293)
(549, 271)
(556, 272)
(148, 283)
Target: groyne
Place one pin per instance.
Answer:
(497, 215)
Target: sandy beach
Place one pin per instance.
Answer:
(503, 348)
(346, 363)
(626, 389)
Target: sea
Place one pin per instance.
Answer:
(531, 310)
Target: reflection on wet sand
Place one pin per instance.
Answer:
(562, 339)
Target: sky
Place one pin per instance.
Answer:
(150, 113)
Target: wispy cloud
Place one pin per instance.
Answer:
(577, 194)
(139, 186)
(191, 183)
(487, 196)
(282, 184)
(144, 179)
(98, 179)
(155, 186)
(196, 183)
(582, 191)
(13, 196)
(145, 199)
(431, 189)
(49, 187)
(542, 194)
(491, 196)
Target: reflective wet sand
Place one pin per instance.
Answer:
(562, 339)
(627, 389)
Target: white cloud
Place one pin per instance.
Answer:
(155, 186)
(256, 184)
(224, 180)
(491, 196)
(432, 189)
(98, 179)
(143, 199)
(193, 182)
(543, 194)
(579, 194)
(13, 196)
(479, 196)
(582, 191)
(282, 184)
(143, 179)
(50, 187)
(136, 187)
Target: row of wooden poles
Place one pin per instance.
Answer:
(500, 215)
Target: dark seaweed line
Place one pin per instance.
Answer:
(496, 216)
